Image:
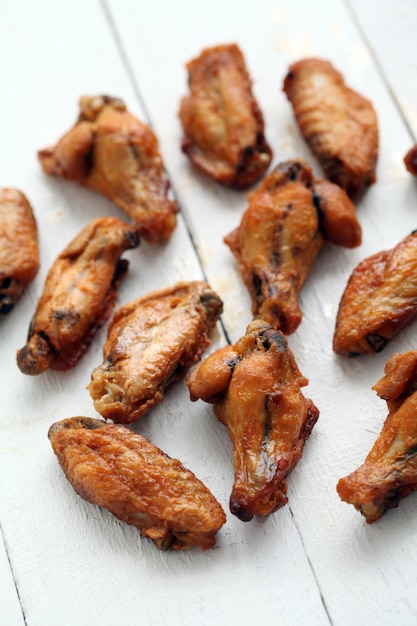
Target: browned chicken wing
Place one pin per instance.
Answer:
(19, 247)
(337, 215)
(79, 296)
(339, 124)
(152, 341)
(255, 389)
(223, 125)
(389, 472)
(379, 300)
(112, 467)
(277, 242)
(410, 160)
(112, 152)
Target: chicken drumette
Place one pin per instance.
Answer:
(283, 229)
(151, 343)
(223, 125)
(255, 387)
(112, 152)
(112, 467)
(338, 123)
(79, 296)
(19, 247)
(389, 472)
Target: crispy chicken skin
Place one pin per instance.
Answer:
(339, 124)
(389, 472)
(410, 160)
(19, 247)
(254, 387)
(277, 242)
(379, 300)
(112, 467)
(222, 123)
(152, 341)
(112, 152)
(79, 296)
(337, 215)
(289, 218)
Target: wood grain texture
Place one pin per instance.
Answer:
(390, 32)
(315, 561)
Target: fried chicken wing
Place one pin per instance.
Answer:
(389, 472)
(379, 300)
(337, 215)
(222, 123)
(338, 123)
(112, 152)
(255, 388)
(410, 160)
(277, 242)
(152, 341)
(79, 296)
(112, 467)
(19, 247)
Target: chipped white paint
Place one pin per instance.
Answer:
(315, 562)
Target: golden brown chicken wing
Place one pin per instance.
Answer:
(389, 472)
(112, 467)
(151, 343)
(277, 242)
(19, 247)
(410, 160)
(337, 215)
(223, 125)
(255, 389)
(379, 300)
(339, 124)
(112, 152)
(79, 296)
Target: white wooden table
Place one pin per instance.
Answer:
(64, 561)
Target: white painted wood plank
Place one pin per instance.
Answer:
(10, 609)
(74, 563)
(390, 28)
(366, 573)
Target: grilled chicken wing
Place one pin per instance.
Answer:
(277, 242)
(410, 160)
(255, 389)
(379, 300)
(19, 248)
(389, 472)
(79, 296)
(339, 124)
(112, 152)
(112, 467)
(223, 125)
(152, 341)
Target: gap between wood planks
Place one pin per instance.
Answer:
(3, 539)
(378, 66)
(131, 76)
